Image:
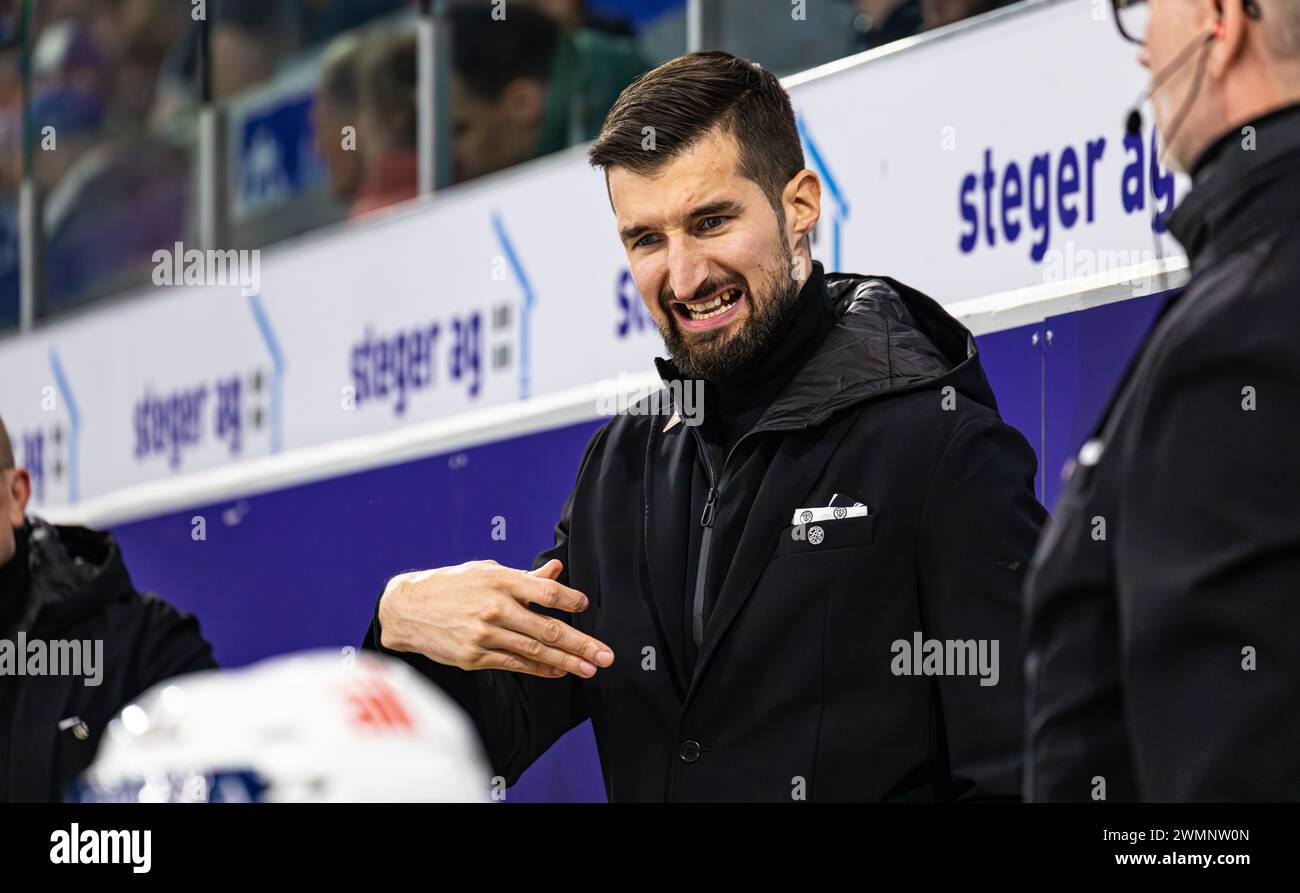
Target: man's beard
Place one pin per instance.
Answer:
(722, 353)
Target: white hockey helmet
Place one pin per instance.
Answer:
(313, 727)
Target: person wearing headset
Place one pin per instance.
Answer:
(1162, 658)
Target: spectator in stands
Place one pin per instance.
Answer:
(386, 67)
(501, 75)
(883, 21)
(140, 35)
(337, 106)
(937, 13)
(523, 87)
(67, 590)
(112, 193)
(320, 20)
(575, 14)
(248, 39)
(11, 120)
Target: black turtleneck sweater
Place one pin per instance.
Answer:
(734, 403)
(1229, 182)
(1233, 137)
(15, 577)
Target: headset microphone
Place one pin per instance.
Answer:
(1133, 124)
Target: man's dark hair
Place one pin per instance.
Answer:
(686, 98)
(6, 448)
(489, 54)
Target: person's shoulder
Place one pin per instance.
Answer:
(143, 610)
(932, 424)
(626, 424)
(1276, 274)
(1244, 311)
(75, 567)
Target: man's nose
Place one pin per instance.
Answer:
(687, 269)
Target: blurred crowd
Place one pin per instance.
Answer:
(879, 22)
(115, 90)
(115, 94)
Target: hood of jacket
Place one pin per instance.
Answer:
(75, 572)
(888, 338)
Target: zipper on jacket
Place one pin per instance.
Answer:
(706, 539)
(702, 566)
(706, 521)
(706, 518)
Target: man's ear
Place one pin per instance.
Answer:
(802, 200)
(20, 492)
(1229, 39)
(524, 101)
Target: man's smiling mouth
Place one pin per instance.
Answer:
(711, 311)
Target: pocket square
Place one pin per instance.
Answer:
(828, 513)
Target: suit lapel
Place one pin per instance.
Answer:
(793, 472)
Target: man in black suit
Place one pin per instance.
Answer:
(77, 642)
(810, 590)
(1163, 659)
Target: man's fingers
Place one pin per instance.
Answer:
(500, 639)
(505, 660)
(550, 570)
(553, 633)
(547, 593)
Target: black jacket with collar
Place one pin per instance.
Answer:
(77, 589)
(1162, 659)
(794, 693)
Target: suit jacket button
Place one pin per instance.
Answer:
(690, 751)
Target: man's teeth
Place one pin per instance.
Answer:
(708, 309)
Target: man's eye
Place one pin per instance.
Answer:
(643, 241)
(712, 222)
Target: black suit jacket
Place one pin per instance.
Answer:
(79, 591)
(1163, 659)
(794, 694)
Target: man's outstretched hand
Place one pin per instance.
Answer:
(475, 616)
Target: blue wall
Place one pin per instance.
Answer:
(302, 567)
